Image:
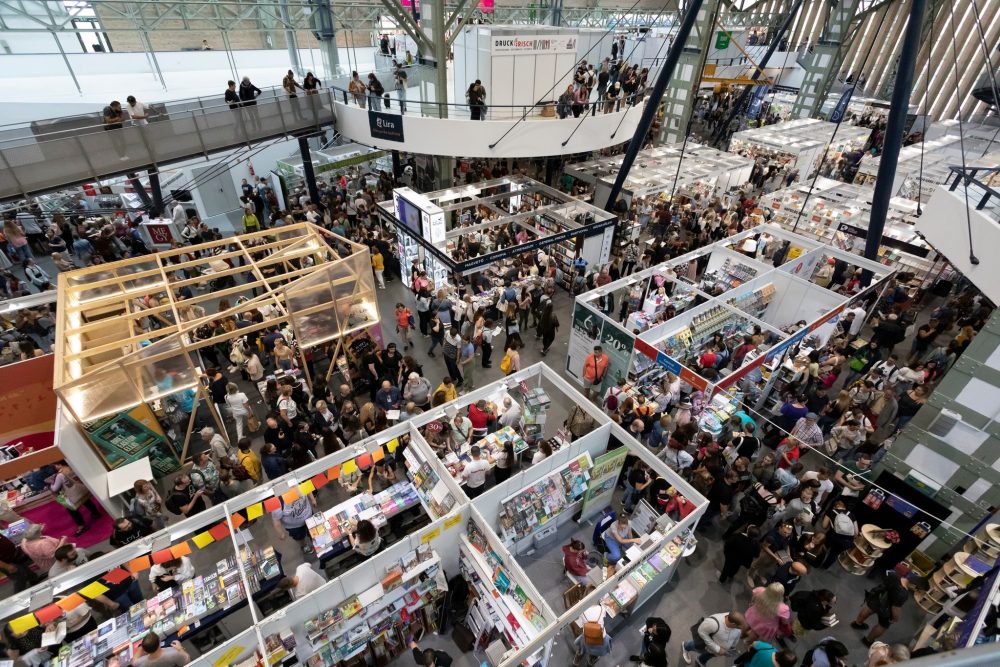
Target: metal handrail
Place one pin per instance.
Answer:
(276, 93)
(968, 175)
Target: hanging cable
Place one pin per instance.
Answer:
(623, 61)
(923, 140)
(822, 162)
(961, 134)
(607, 32)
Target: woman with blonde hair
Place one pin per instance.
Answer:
(768, 615)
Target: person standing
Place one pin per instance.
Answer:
(548, 326)
(595, 367)
(231, 97)
(450, 352)
(154, 655)
(378, 266)
(739, 550)
(137, 111)
(429, 657)
(357, 89)
(290, 520)
(114, 119)
(655, 635)
(399, 77)
(885, 602)
(474, 473)
(304, 581)
(467, 361)
(715, 636)
(375, 91)
(248, 99)
(184, 500)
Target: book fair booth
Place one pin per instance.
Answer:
(707, 172)
(483, 227)
(777, 292)
(799, 144)
(131, 374)
(837, 214)
(440, 559)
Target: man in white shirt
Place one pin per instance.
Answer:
(717, 635)
(474, 473)
(822, 476)
(859, 320)
(304, 581)
(179, 214)
(173, 572)
(137, 111)
(511, 413)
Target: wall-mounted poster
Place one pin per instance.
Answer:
(130, 436)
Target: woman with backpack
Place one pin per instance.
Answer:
(828, 653)
(840, 527)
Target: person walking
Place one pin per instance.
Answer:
(378, 266)
(714, 636)
(653, 652)
(595, 367)
(768, 616)
(885, 602)
(450, 352)
(239, 408)
(73, 495)
(548, 325)
(813, 610)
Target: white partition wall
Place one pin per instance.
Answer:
(518, 65)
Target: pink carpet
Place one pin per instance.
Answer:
(58, 522)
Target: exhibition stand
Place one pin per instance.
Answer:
(469, 229)
(837, 214)
(372, 605)
(706, 173)
(799, 144)
(129, 369)
(651, 328)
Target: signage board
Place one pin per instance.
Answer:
(585, 333)
(532, 44)
(385, 126)
(722, 39)
(601, 486)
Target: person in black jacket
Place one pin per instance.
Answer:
(249, 92)
(429, 657)
(232, 97)
(655, 636)
(739, 550)
(810, 607)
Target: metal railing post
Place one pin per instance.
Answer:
(201, 140)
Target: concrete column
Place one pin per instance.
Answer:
(440, 44)
(678, 100)
(823, 64)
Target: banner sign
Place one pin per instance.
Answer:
(532, 44)
(618, 345)
(722, 39)
(861, 233)
(385, 126)
(587, 330)
(841, 108)
(601, 487)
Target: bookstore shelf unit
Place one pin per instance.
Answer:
(764, 277)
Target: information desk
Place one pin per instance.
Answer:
(177, 612)
(329, 530)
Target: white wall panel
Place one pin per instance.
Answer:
(502, 90)
(545, 77)
(523, 89)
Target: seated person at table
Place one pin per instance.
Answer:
(575, 562)
(154, 655)
(173, 572)
(365, 539)
(617, 538)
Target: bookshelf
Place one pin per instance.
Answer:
(329, 529)
(435, 495)
(379, 619)
(540, 503)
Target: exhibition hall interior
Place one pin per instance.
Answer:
(488, 333)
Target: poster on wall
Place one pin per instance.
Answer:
(617, 344)
(385, 126)
(584, 335)
(601, 487)
(130, 436)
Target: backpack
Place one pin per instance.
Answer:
(611, 402)
(858, 363)
(843, 524)
(753, 504)
(507, 363)
(593, 634)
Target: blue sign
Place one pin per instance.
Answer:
(841, 108)
(787, 343)
(759, 93)
(669, 363)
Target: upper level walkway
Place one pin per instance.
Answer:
(57, 153)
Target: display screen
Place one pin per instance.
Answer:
(409, 215)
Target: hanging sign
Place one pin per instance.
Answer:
(722, 39)
(385, 126)
(531, 44)
(841, 108)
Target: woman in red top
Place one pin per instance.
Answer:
(575, 562)
(479, 415)
(788, 452)
(403, 323)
